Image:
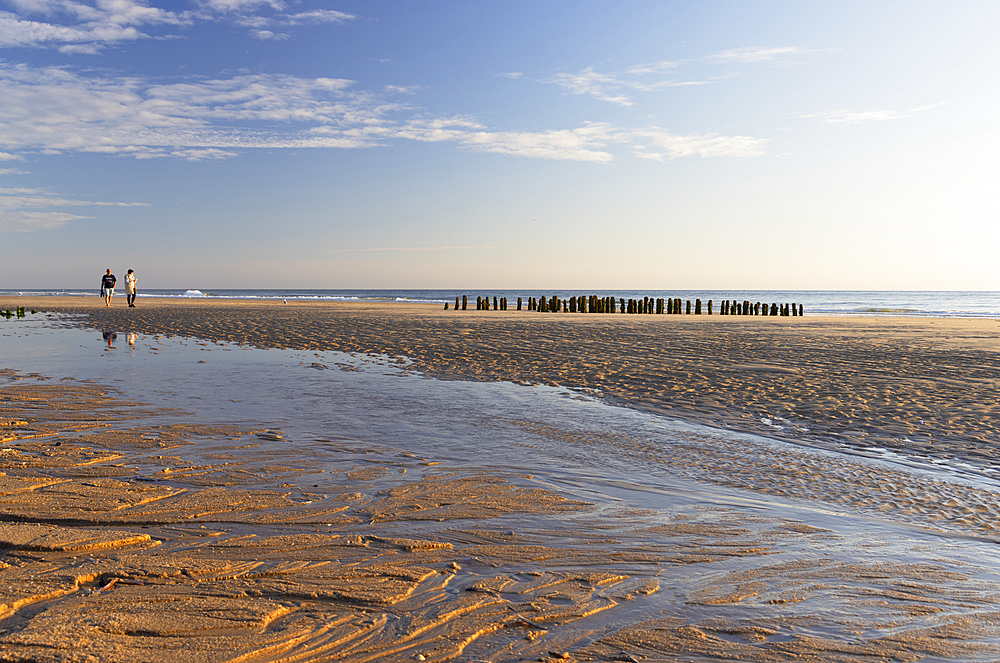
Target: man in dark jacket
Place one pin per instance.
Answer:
(108, 282)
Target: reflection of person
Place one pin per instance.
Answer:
(131, 338)
(110, 337)
(130, 288)
(108, 282)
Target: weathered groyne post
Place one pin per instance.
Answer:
(518, 303)
(456, 303)
(465, 302)
(697, 307)
(710, 307)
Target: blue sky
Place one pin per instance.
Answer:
(659, 145)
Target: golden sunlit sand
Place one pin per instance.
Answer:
(135, 535)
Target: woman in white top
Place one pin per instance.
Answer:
(130, 288)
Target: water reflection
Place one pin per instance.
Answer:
(110, 337)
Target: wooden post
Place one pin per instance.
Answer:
(495, 307)
(518, 303)
(465, 302)
(479, 303)
(688, 307)
(697, 307)
(446, 306)
(800, 310)
(710, 307)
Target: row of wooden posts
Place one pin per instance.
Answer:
(647, 305)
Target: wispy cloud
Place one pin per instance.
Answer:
(846, 116)
(661, 145)
(611, 87)
(654, 67)
(597, 85)
(56, 110)
(756, 54)
(89, 26)
(25, 210)
(317, 16)
(80, 27)
(404, 89)
(513, 75)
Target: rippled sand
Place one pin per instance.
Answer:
(917, 384)
(133, 534)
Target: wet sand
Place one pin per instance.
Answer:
(132, 534)
(924, 385)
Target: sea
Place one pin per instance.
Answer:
(926, 303)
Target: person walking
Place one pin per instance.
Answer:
(130, 288)
(108, 282)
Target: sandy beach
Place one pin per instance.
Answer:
(923, 384)
(132, 532)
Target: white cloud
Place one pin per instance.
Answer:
(653, 68)
(318, 16)
(847, 116)
(609, 87)
(6, 156)
(583, 144)
(76, 27)
(755, 54)
(54, 110)
(595, 84)
(88, 26)
(241, 5)
(25, 210)
(403, 89)
(267, 35)
(513, 75)
(662, 145)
